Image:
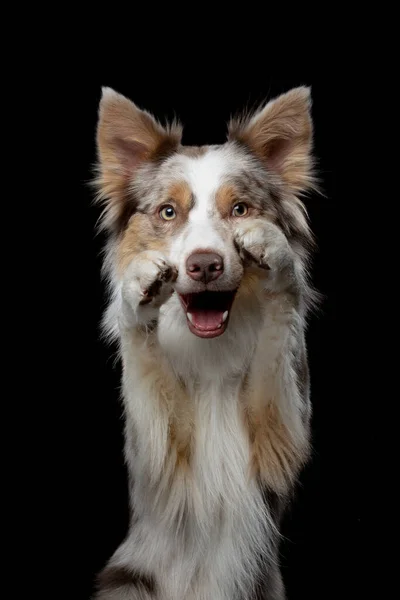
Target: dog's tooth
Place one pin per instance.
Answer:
(189, 316)
(225, 316)
(219, 326)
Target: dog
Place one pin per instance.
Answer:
(207, 261)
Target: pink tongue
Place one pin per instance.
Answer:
(206, 320)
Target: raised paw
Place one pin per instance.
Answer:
(151, 288)
(253, 241)
(263, 244)
(148, 280)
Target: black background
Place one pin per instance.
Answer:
(323, 530)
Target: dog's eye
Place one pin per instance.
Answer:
(240, 210)
(167, 213)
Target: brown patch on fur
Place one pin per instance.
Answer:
(180, 442)
(249, 283)
(181, 194)
(139, 236)
(224, 199)
(115, 577)
(173, 405)
(281, 135)
(276, 458)
(181, 426)
(148, 231)
(127, 137)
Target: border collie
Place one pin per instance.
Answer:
(206, 261)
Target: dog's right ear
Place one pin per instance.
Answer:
(127, 137)
(281, 136)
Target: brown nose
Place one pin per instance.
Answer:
(204, 266)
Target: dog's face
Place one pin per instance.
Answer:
(191, 204)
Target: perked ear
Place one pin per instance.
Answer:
(281, 136)
(127, 137)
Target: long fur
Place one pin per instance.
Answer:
(217, 430)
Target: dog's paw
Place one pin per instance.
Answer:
(264, 245)
(148, 280)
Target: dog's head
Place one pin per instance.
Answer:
(189, 203)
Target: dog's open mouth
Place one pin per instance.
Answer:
(207, 312)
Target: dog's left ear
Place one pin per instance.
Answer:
(281, 136)
(127, 139)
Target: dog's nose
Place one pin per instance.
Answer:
(204, 266)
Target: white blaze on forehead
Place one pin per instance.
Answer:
(205, 175)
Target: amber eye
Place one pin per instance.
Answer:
(240, 210)
(167, 213)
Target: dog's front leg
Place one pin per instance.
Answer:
(146, 285)
(262, 244)
(278, 399)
